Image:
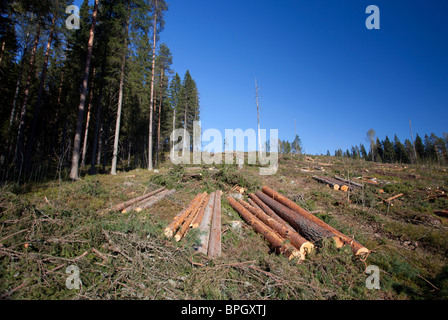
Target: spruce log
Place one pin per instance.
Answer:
(332, 184)
(296, 240)
(123, 205)
(214, 245)
(356, 247)
(277, 242)
(204, 226)
(358, 185)
(306, 228)
(180, 218)
(186, 224)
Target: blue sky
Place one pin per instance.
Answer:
(315, 62)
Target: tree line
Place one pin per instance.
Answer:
(99, 97)
(429, 149)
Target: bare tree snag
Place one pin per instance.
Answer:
(296, 240)
(205, 226)
(277, 242)
(214, 245)
(357, 248)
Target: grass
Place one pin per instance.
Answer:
(47, 226)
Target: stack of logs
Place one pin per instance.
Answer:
(289, 228)
(142, 202)
(338, 183)
(203, 212)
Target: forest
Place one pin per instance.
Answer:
(87, 92)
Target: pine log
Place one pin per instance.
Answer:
(349, 182)
(197, 220)
(263, 206)
(332, 184)
(253, 204)
(154, 199)
(180, 218)
(357, 248)
(128, 203)
(205, 226)
(441, 213)
(214, 245)
(306, 228)
(186, 224)
(277, 242)
(295, 239)
(394, 197)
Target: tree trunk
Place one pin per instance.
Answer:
(86, 131)
(120, 96)
(204, 226)
(160, 115)
(151, 106)
(30, 143)
(77, 139)
(18, 154)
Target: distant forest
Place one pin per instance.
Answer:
(100, 96)
(430, 149)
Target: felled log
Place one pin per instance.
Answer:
(266, 209)
(307, 228)
(128, 203)
(441, 213)
(295, 239)
(181, 216)
(205, 225)
(357, 248)
(197, 220)
(358, 185)
(147, 203)
(186, 224)
(344, 188)
(394, 197)
(214, 245)
(277, 242)
(332, 184)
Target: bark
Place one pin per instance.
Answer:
(77, 140)
(358, 185)
(304, 227)
(356, 247)
(43, 75)
(154, 199)
(277, 242)
(296, 240)
(332, 184)
(120, 97)
(151, 106)
(214, 245)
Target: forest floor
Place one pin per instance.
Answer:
(47, 226)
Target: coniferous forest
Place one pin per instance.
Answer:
(88, 95)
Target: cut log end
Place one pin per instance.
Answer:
(344, 188)
(177, 237)
(338, 241)
(296, 254)
(362, 251)
(336, 187)
(306, 248)
(168, 232)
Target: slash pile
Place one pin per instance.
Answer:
(203, 212)
(289, 228)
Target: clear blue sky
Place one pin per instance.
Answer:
(316, 62)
